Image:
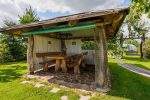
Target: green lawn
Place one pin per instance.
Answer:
(137, 61)
(125, 85)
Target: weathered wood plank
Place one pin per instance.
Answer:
(64, 65)
(30, 51)
(43, 54)
(57, 67)
(101, 60)
(45, 67)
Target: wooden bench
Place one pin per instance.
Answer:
(77, 61)
(61, 61)
(47, 63)
(47, 54)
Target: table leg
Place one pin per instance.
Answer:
(57, 67)
(63, 65)
(76, 69)
(45, 66)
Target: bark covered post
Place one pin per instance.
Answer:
(30, 59)
(101, 60)
(63, 46)
(141, 45)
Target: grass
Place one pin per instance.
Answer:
(125, 85)
(12, 89)
(137, 61)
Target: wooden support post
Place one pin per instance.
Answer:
(30, 59)
(101, 60)
(45, 66)
(57, 67)
(63, 47)
(64, 65)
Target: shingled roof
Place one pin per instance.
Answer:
(113, 16)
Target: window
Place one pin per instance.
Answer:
(49, 42)
(74, 43)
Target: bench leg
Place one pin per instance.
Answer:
(76, 69)
(63, 65)
(45, 66)
(57, 67)
(83, 63)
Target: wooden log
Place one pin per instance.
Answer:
(64, 65)
(76, 69)
(30, 59)
(101, 60)
(83, 63)
(77, 64)
(57, 67)
(63, 46)
(45, 66)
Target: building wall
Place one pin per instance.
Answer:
(90, 56)
(44, 44)
(73, 46)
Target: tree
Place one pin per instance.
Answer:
(88, 45)
(136, 26)
(114, 47)
(29, 16)
(132, 41)
(11, 44)
(140, 7)
(5, 50)
(140, 27)
(11, 47)
(8, 23)
(5, 54)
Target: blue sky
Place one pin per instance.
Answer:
(46, 9)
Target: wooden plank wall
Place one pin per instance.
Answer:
(77, 49)
(41, 44)
(44, 44)
(73, 46)
(90, 56)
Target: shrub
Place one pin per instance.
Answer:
(12, 48)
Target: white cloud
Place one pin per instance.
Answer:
(72, 6)
(13, 8)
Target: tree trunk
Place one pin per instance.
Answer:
(30, 54)
(101, 60)
(141, 50)
(141, 45)
(121, 40)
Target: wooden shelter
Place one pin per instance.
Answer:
(63, 35)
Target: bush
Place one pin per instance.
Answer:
(114, 50)
(12, 48)
(88, 45)
(5, 54)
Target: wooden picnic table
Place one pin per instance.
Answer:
(61, 61)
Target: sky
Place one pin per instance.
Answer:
(46, 9)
